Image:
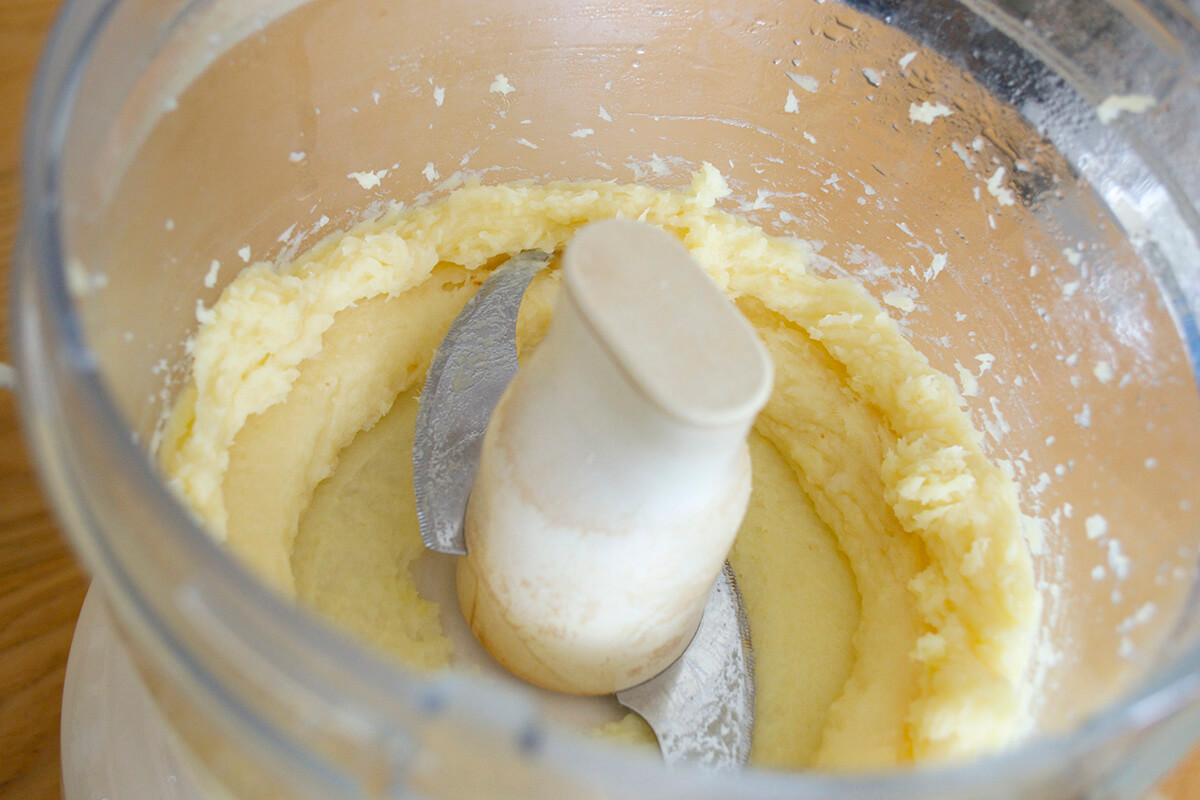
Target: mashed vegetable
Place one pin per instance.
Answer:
(890, 593)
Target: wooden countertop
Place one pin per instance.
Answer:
(41, 586)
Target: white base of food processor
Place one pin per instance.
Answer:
(115, 743)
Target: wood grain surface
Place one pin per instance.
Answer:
(41, 586)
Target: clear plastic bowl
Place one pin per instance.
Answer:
(165, 136)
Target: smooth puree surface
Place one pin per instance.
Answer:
(890, 593)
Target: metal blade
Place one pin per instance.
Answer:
(701, 708)
(472, 367)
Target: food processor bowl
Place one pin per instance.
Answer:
(1017, 181)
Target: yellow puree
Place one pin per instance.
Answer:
(890, 594)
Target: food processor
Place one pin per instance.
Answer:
(1016, 181)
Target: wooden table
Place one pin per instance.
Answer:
(41, 586)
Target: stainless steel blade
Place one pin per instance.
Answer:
(701, 708)
(472, 367)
